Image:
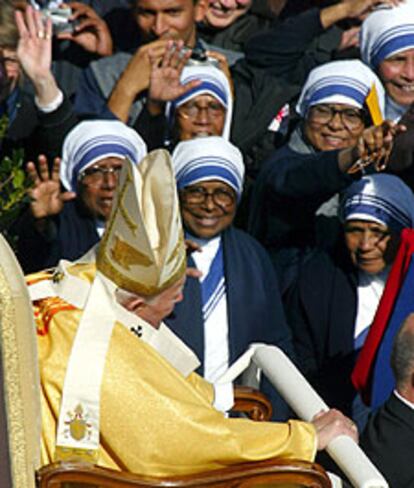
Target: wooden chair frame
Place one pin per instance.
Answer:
(272, 472)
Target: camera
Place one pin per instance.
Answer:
(59, 15)
(199, 57)
(60, 18)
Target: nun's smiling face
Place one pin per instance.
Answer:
(202, 116)
(372, 246)
(330, 126)
(97, 185)
(208, 208)
(397, 76)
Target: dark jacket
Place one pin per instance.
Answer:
(388, 440)
(289, 190)
(321, 311)
(294, 46)
(71, 234)
(258, 18)
(37, 132)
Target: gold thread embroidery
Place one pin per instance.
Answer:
(123, 209)
(18, 432)
(127, 256)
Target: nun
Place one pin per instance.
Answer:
(296, 191)
(236, 300)
(65, 223)
(204, 109)
(387, 46)
(332, 305)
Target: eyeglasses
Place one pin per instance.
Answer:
(197, 194)
(95, 175)
(351, 118)
(373, 236)
(192, 109)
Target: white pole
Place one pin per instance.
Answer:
(304, 400)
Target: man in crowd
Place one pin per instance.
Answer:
(37, 114)
(388, 438)
(117, 85)
(25, 115)
(141, 391)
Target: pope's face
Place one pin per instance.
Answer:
(397, 76)
(155, 309)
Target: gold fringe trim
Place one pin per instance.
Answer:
(12, 386)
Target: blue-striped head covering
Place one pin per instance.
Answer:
(206, 159)
(379, 198)
(387, 31)
(347, 82)
(213, 82)
(92, 140)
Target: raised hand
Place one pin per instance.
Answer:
(135, 78)
(361, 8)
(90, 30)
(46, 197)
(349, 39)
(351, 9)
(34, 49)
(165, 84)
(34, 52)
(375, 145)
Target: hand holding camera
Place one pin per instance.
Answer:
(87, 29)
(78, 23)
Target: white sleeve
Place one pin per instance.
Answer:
(223, 396)
(52, 106)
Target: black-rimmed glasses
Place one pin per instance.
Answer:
(197, 195)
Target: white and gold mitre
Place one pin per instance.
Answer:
(142, 249)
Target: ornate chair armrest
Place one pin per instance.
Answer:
(252, 402)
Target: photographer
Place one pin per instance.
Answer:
(29, 96)
(80, 36)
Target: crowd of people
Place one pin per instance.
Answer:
(208, 174)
